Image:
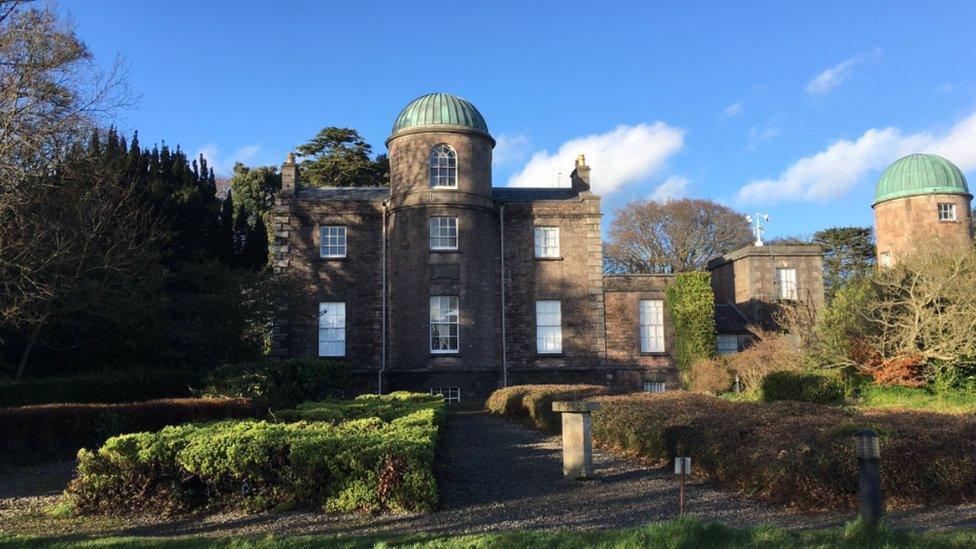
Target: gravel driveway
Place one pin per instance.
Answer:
(497, 475)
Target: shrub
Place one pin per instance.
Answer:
(280, 384)
(711, 376)
(906, 371)
(386, 407)
(110, 386)
(796, 453)
(691, 303)
(772, 352)
(366, 464)
(51, 431)
(533, 403)
(802, 387)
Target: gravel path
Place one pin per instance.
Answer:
(496, 475)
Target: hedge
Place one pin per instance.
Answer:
(802, 387)
(280, 384)
(795, 453)
(366, 464)
(54, 431)
(691, 303)
(533, 403)
(110, 386)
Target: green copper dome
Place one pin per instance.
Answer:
(918, 174)
(437, 109)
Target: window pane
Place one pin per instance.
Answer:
(651, 312)
(444, 324)
(547, 241)
(332, 241)
(443, 166)
(332, 329)
(549, 336)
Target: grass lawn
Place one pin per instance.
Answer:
(948, 402)
(687, 532)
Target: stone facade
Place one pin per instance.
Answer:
(749, 279)
(390, 272)
(904, 223)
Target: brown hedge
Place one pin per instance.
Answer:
(533, 403)
(795, 453)
(52, 431)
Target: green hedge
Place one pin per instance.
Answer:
(280, 384)
(58, 431)
(802, 387)
(691, 303)
(366, 464)
(110, 386)
(533, 403)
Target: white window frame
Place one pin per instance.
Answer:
(332, 241)
(332, 328)
(450, 394)
(443, 167)
(651, 323)
(548, 327)
(547, 242)
(442, 306)
(726, 344)
(443, 232)
(786, 278)
(655, 387)
(885, 260)
(947, 211)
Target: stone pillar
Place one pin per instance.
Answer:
(289, 175)
(577, 437)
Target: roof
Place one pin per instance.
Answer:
(532, 194)
(918, 174)
(437, 109)
(345, 193)
(729, 320)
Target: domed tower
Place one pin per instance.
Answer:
(443, 245)
(920, 196)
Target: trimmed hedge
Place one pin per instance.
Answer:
(533, 403)
(110, 386)
(280, 384)
(802, 387)
(386, 407)
(53, 431)
(365, 464)
(795, 453)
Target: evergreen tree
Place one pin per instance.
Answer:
(340, 157)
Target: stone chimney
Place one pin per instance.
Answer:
(289, 176)
(581, 176)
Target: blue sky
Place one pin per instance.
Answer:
(788, 108)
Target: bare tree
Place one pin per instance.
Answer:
(925, 305)
(65, 235)
(677, 235)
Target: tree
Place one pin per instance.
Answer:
(678, 235)
(255, 188)
(848, 253)
(339, 157)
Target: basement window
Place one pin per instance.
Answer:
(655, 387)
(452, 395)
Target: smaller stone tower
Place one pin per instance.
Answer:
(921, 197)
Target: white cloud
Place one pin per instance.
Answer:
(832, 77)
(834, 171)
(735, 109)
(225, 166)
(619, 157)
(510, 149)
(758, 136)
(674, 187)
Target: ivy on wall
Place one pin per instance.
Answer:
(691, 303)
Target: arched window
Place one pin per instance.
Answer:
(443, 166)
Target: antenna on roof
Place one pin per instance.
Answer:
(760, 220)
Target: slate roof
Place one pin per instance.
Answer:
(532, 194)
(729, 320)
(369, 194)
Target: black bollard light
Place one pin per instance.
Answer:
(869, 475)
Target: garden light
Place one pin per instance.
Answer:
(869, 474)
